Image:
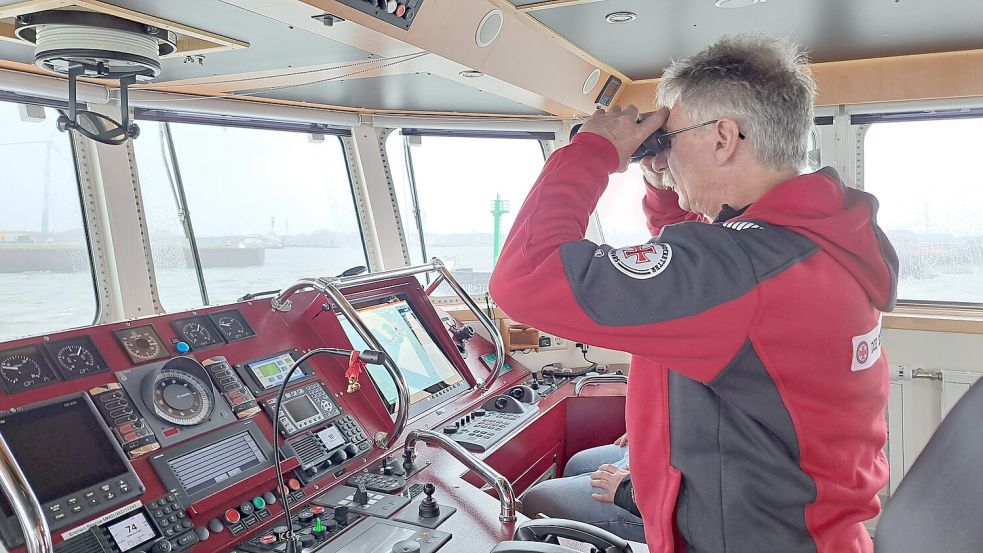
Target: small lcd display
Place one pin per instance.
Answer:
(62, 448)
(300, 409)
(421, 361)
(331, 437)
(131, 532)
(270, 372)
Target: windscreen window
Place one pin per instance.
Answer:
(267, 208)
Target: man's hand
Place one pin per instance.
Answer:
(625, 129)
(622, 441)
(607, 477)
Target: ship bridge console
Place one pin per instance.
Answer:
(161, 434)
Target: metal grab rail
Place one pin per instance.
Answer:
(281, 302)
(506, 495)
(14, 485)
(597, 379)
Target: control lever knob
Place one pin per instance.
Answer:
(341, 514)
(351, 450)
(163, 546)
(339, 457)
(429, 507)
(305, 517)
(361, 496)
(501, 402)
(406, 546)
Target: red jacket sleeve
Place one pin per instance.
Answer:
(549, 277)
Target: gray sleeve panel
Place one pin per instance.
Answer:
(734, 443)
(707, 265)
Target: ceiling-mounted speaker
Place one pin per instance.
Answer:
(591, 81)
(489, 28)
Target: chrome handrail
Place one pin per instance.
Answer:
(597, 379)
(27, 509)
(281, 302)
(506, 495)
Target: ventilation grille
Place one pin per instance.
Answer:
(310, 452)
(86, 543)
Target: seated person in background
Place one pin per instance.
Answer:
(586, 491)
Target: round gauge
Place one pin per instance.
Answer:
(19, 368)
(141, 345)
(76, 359)
(232, 327)
(180, 397)
(197, 334)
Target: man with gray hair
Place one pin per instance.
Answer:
(757, 388)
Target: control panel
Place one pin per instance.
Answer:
(303, 408)
(498, 417)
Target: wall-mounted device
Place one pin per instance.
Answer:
(303, 408)
(266, 374)
(399, 13)
(177, 399)
(609, 91)
(71, 461)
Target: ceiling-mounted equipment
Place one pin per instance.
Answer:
(99, 46)
(395, 12)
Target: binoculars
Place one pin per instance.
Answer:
(656, 143)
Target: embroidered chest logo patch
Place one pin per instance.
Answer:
(866, 349)
(644, 261)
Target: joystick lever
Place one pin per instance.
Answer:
(361, 496)
(429, 507)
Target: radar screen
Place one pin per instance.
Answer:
(24, 368)
(198, 332)
(76, 357)
(232, 325)
(141, 343)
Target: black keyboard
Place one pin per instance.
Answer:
(377, 482)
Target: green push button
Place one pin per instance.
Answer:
(259, 503)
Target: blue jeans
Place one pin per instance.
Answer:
(570, 497)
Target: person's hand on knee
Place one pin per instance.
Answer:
(607, 478)
(622, 441)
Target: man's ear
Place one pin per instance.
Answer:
(727, 135)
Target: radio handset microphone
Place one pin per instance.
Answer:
(369, 356)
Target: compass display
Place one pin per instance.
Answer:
(179, 392)
(76, 357)
(24, 368)
(141, 343)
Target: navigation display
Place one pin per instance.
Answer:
(301, 409)
(421, 361)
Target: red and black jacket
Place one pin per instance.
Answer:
(757, 388)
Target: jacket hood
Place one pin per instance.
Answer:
(842, 221)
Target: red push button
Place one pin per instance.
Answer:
(126, 428)
(267, 539)
(317, 510)
(400, 10)
(294, 484)
(232, 516)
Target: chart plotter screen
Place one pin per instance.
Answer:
(421, 361)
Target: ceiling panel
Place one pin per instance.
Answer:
(416, 92)
(272, 45)
(830, 30)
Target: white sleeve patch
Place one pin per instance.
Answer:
(866, 349)
(641, 262)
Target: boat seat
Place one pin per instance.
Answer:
(939, 505)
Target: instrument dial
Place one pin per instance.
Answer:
(76, 357)
(24, 368)
(198, 332)
(180, 393)
(232, 325)
(142, 343)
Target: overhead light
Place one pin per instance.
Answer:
(620, 17)
(471, 74)
(733, 4)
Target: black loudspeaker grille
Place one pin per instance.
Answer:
(309, 450)
(86, 543)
